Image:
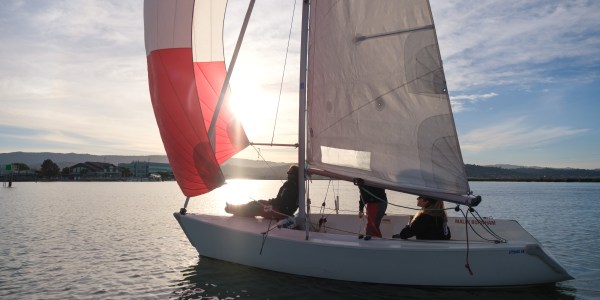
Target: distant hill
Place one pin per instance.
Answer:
(233, 168)
(475, 172)
(35, 159)
(507, 166)
(253, 169)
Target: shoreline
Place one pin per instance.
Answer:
(147, 180)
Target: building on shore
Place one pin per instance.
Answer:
(145, 169)
(94, 170)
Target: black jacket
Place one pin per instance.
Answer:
(286, 201)
(366, 197)
(427, 227)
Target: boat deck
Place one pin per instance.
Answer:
(340, 227)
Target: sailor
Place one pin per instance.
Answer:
(429, 223)
(375, 200)
(280, 207)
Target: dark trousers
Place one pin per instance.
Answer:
(260, 208)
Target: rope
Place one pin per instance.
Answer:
(266, 162)
(272, 210)
(372, 195)
(269, 228)
(362, 226)
(283, 73)
(265, 235)
(307, 204)
(323, 218)
(467, 265)
(468, 225)
(481, 222)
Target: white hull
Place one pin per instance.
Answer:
(342, 256)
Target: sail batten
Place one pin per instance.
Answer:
(361, 38)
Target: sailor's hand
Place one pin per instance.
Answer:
(267, 208)
(361, 214)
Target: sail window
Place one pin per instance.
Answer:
(347, 158)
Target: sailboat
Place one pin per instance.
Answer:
(373, 105)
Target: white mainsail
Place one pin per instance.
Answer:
(378, 107)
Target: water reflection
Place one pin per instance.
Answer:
(117, 240)
(215, 279)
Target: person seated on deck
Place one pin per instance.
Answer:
(282, 206)
(429, 223)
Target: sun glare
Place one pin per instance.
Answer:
(247, 104)
(238, 191)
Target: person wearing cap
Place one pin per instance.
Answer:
(282, 206)
(429, 223)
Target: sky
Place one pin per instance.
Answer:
(523, 78)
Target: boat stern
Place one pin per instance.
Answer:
(537, 251)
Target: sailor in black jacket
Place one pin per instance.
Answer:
(429, 223)
(285, 204)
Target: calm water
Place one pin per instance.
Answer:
(120, 241)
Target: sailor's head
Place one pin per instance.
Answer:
(425, 201)
(293, 171)
(430, 203)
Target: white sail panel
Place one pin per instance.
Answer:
(210, 72)
(167, 24)
(207, 34)
(345, 157)
(376, 87)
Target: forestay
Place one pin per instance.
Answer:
(378, 107)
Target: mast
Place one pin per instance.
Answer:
(213, 122)
(302, 117)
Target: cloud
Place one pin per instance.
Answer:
(72, 71)
(475, 97)
(514, 133)
(458, 102)
(516, 42)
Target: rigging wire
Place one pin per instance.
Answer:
(266, 162)
(283, 73)
(323, 218)
(265, 235)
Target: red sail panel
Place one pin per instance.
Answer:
(230, 137)
(179, 116)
